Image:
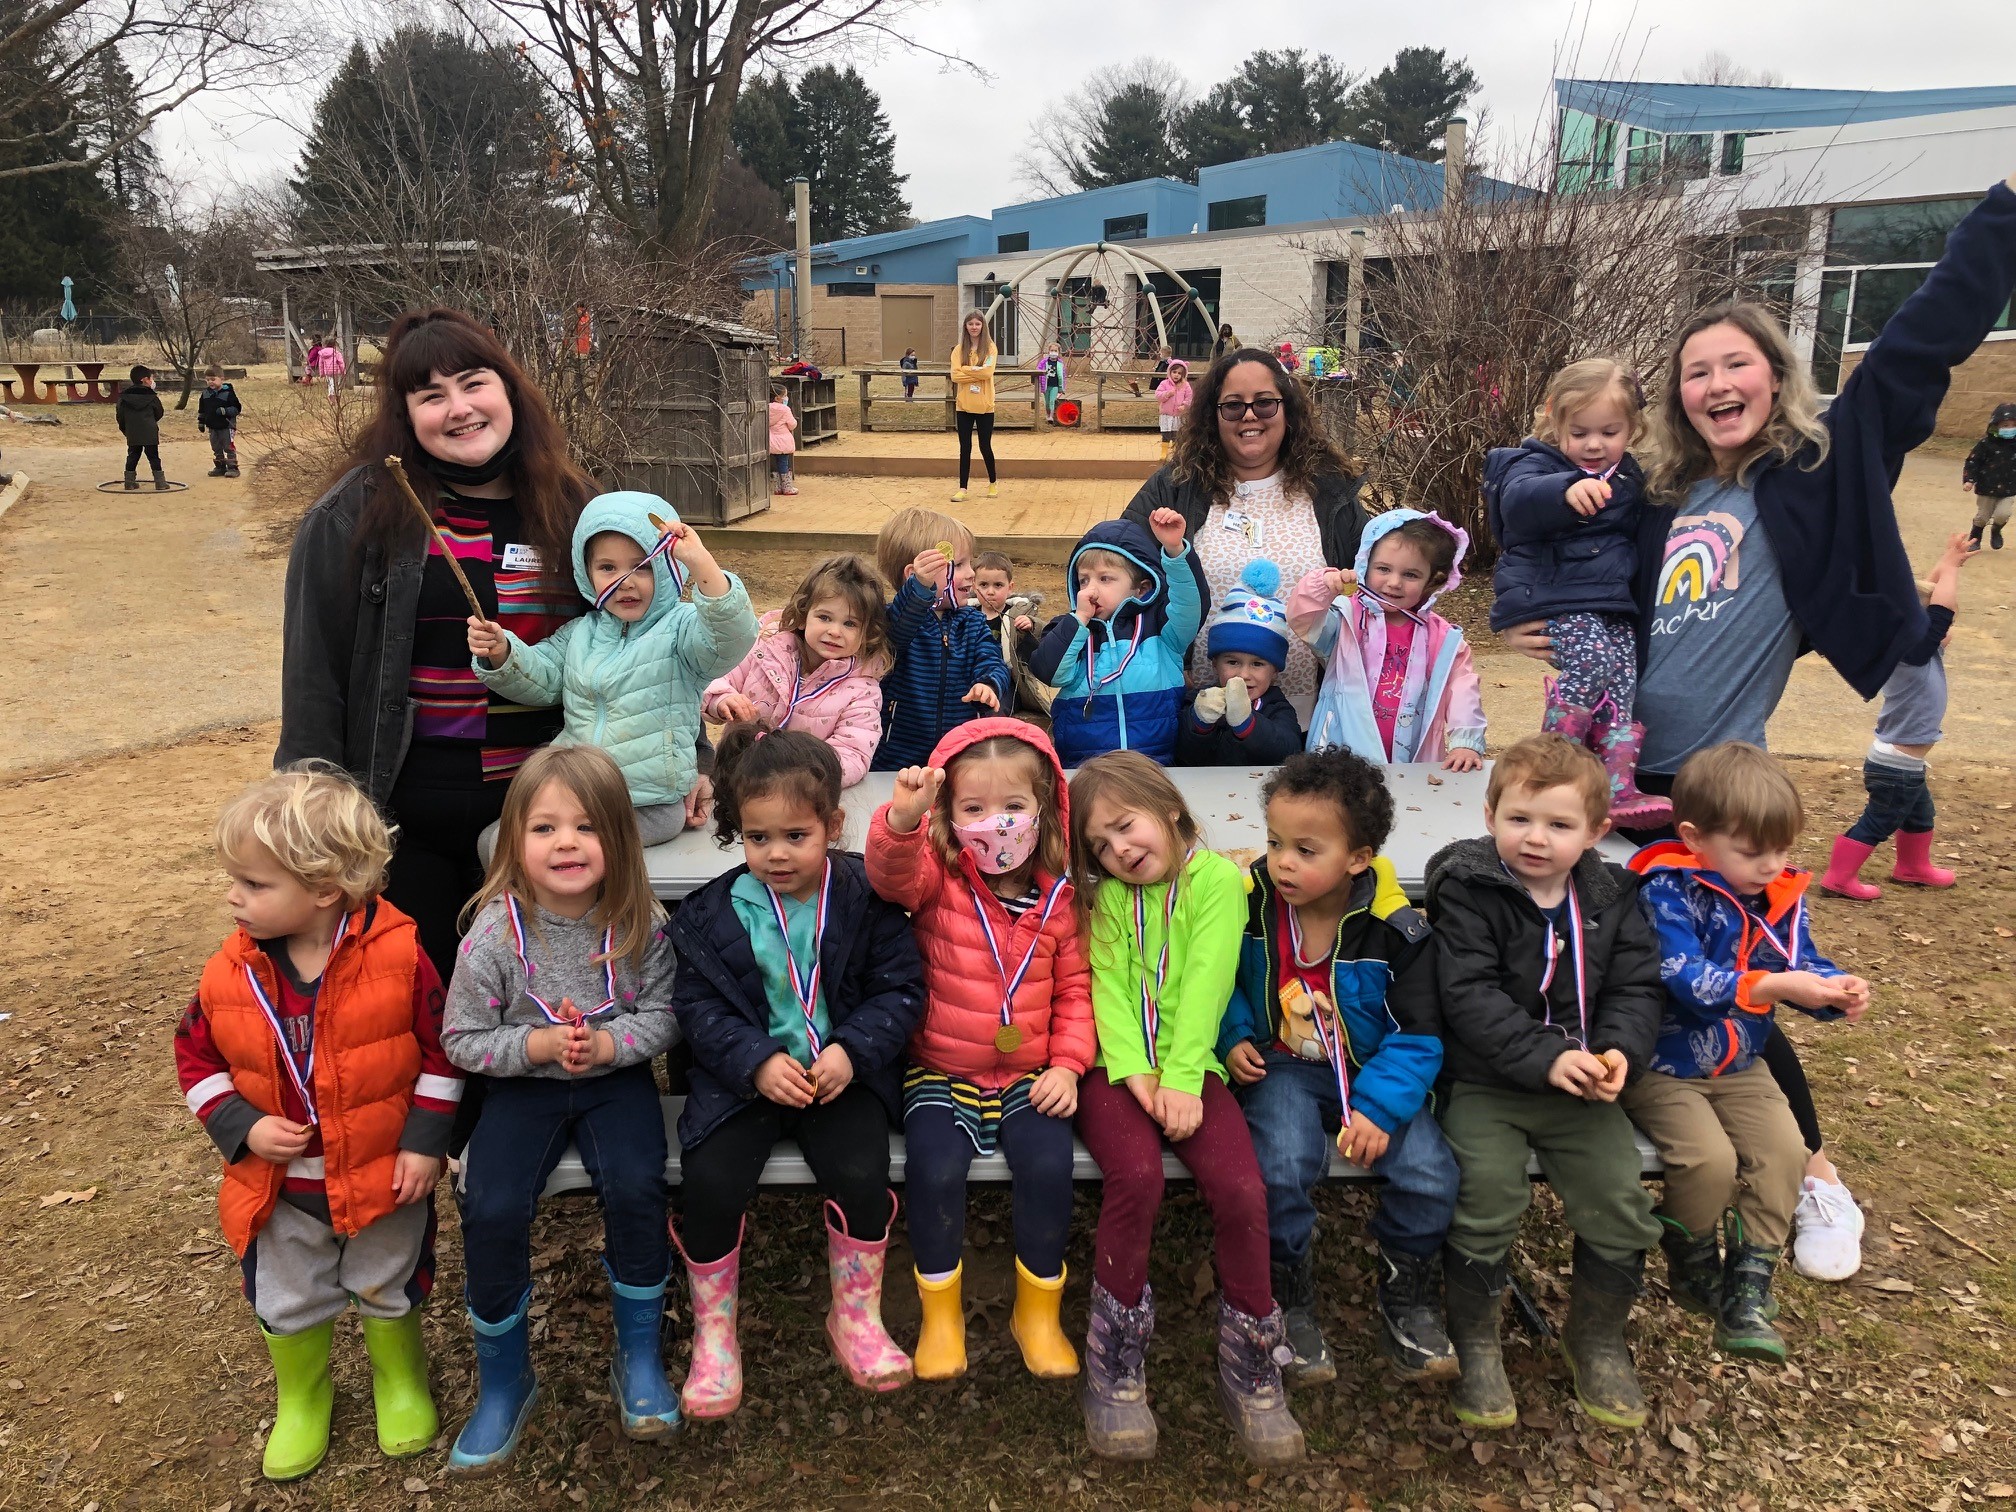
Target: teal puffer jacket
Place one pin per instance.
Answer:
(633, 688)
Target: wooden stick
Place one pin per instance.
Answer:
(1956, 1238)
(398, 470)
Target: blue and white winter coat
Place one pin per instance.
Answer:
(632, 688)
(1120, 680)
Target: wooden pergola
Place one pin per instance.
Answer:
(327, 265)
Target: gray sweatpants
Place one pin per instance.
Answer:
(1989, 511)
(300, 1272)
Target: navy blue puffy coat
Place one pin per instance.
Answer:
(1552, 560)
(938, 659)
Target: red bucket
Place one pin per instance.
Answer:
(1067, 412)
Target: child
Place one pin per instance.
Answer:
(908, 363)
(138, 415)
(1564, 507)
(974, 846)
(1050, 379)
(1172, 397)
(1118, 662)
(948, 668)
(1733, 942)
(1538, 1048)
(631, 670)
(1400, 685)
(560, 999)
(320, 1013)
(1011, 623)
(217, 415)
(1285, 355)
(1162, 918)
(783, 445)
(821, 671)
(1914, 706)
(1245, 720)
(1990, 475)
(796, 988)
(1365, 987)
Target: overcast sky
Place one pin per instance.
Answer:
(958, 137)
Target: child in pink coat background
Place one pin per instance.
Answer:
(783, 444)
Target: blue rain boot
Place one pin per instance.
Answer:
(506, 1388)
(649, 1405)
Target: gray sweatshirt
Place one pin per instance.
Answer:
(490, 1014)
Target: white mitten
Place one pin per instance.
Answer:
(1238, 702)
(1210, 706)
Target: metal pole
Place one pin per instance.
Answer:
(801, 199)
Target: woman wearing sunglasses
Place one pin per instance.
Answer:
(1254, 475)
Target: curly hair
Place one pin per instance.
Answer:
(317, 824)
(757, 761)
(1307, 452)
(853, 580)
(1793, 429)
(1355, 785)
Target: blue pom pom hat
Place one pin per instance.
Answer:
(1252, 617)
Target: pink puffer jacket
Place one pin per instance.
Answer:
(962, 1013)
(842, 701)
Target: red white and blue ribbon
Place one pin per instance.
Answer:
(662, 549)
(1605, 475)
(1553, 953)
(302, 1075)
(554, 1015)
(1151, 997)
(1092, 661)
(1331, 1036)
(800, 694)
(1789, 946)
(1010, 985)
(805, 984)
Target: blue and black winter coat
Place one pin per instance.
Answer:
(871, 980)
(940, 655)
(1120, 680)
(1552, 560)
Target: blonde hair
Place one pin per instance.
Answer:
(852, 580)
(1793, 429)
(1128, 780)
(908, 533)
(1549, 760)
(1581, 384)
(317, 824)
(1052, 844)
(969, 356)
(625, 905)
(1099, 556)
(1739, 789)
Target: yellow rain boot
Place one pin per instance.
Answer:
(1034, 1324)
(941, 1343)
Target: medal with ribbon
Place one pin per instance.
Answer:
(1788, 947)
(301, 1074)
(662, 549)
(1094, 682)
(1552, 951)
(1328, 1021)
(805, 984)
(799, 693)
(1008, 1038)
(566, 1012)
(1151, 997)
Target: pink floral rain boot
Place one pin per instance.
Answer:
(713, 1386)
(860, 1342)
(1565, 719)
(1618, 745)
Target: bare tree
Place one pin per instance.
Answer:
(186, 275)
(1717, 67)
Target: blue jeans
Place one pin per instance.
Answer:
(520, 1136)
(1294, 1115)
(1898, 800)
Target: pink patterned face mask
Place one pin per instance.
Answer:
(999, 842)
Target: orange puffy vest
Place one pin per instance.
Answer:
(367, 1060)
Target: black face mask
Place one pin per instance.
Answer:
(455, 475)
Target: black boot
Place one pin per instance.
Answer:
(1743, 1326)
(1693, 1269)
(231, 467)
(1410, 1312)
(1995, 535)
(1974, 537)
(1482, 1397)
(216, 471)
(1295, 1291)
(1599, 1302)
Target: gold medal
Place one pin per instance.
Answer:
(1008, 1039)
(944, 549)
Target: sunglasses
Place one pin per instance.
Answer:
(1232, 411)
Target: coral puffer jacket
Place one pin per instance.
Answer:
(962, 1014)
(367, 1061)
(840, 702)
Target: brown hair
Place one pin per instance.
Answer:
(851, 579)
(755, 760)
(969, 356)
(1436, 545)
(994, 561)
(1739, 789)
(625, 906)
(547, 486)
(317, 824)
(1794, 428)
(1052, 844)
(1132, 781)
(1307, 452)
(1581, 384)
(1551, 760)
(908, 533)
(1100, 556)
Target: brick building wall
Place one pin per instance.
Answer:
(1986, 379)
(860, 316)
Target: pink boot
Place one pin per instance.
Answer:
(1843, 871)
(713, 1386)
(1914, 861)
(1618, 745)
(1565, 719)
(860, 1342)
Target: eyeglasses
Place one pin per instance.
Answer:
(1232, 411)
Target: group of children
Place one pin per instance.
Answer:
(139, 412)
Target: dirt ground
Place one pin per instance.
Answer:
(131, 1375)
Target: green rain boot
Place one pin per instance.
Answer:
(300, 1436)
(407, 1421)
(1743, 1326)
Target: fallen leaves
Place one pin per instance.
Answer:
(59, 1199)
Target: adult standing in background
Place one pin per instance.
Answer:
(1227, 341)
(972, 375)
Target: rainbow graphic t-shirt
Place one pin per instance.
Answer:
(1723, 640)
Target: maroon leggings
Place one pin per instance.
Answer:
(1128, 1146)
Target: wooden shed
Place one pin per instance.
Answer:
(696, 422)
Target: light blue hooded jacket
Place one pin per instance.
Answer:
(632, 688)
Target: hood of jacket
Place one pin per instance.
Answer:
(1138, 545)
(1476, 862)
(628, 513)
(2005, 414)
(1780, 893)
(1382, 525)
(961, 737)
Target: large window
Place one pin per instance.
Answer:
(1230, 215)
(1126, 227)
(1641, 157)
(1864, 234)
(1011, 241)
(1687, 155)
(1588, 153)
(1732, 153)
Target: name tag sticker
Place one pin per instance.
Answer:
(519, 558)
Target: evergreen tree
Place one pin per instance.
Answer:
(762, 130)
(1132, 140)
(830, 129)
(1406, 104)
(132, 172)
(1291, 99)
(51, 224)
(1212, 131)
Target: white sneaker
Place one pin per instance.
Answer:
(1826, 1231)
